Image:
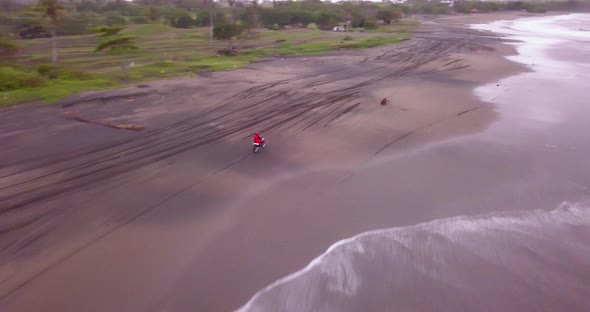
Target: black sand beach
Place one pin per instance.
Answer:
(181, 216)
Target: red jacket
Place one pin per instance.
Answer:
(257, 139)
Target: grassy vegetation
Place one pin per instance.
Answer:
(54, 90)
(402, 26)
(172, 37)
(167, 52)
(148, 29)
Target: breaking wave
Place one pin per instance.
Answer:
(527, 261)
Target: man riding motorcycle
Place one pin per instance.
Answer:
(258, 139)
(258, 142)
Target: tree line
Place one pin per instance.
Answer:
(53, 18)
(81, 17)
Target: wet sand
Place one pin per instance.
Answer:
(519, 189)
(181, 216)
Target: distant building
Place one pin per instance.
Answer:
(450, 3)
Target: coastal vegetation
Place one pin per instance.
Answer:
(52, 49)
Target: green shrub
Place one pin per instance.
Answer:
(117, 43)
(312, 26)
(11, 79)
(73, 25)
(106, 31)
(348, 38)
(327, 20)
(164, 64)
(76, 75)
(139, 20)
(114, 19)
(181, 20)
(274, 27)
(7, 48)
(44, 69)
(370, 24)
(227, 31)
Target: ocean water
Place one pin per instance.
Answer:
(550, 102)
(503, 262)
(526, 260)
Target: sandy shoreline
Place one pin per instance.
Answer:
(518, 192)
(181, 215)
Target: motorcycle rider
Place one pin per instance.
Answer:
(258, 139)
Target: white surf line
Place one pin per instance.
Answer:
(514, 216)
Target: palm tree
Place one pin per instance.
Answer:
(53, 11)
(255, 9)
(232, 5)
(211, 8)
